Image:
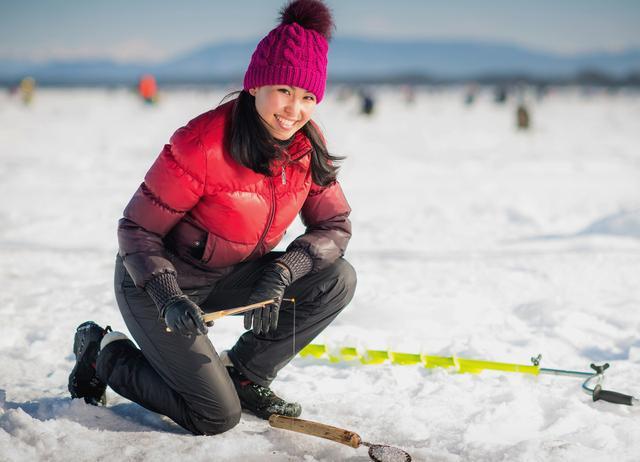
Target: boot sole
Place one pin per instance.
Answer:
(84, 370)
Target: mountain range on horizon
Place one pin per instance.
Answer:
(349, 58)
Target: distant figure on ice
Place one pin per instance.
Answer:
(148, 89)
(27, 90)
(522, 117)
(470, 96)
(197, 236)
(367, 103)
(500, 95)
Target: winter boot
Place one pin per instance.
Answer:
(259, 400)
(83, 381)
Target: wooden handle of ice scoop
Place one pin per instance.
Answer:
(339, 435)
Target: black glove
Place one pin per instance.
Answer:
(184, 317)
(271, 285)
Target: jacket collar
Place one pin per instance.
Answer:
(299, 146)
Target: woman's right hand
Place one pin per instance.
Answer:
(184, 317)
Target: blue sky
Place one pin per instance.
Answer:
(154, 30)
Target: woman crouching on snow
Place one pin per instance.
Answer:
(197, 237)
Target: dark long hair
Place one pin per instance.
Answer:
(250, 143)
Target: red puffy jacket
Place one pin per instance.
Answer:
(200, 211)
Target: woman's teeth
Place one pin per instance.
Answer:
(285, 123)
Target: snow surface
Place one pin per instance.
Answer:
(470, 238)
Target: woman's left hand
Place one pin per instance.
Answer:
(271, 286)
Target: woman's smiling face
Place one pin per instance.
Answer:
(284, 109)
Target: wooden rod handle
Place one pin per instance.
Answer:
(222, 313)
(241, 309)
(339, 435)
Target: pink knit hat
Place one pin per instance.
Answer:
(295, 52)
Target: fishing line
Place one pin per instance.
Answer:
(293, 353)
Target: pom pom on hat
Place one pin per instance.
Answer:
(310, 14)
(295, 52)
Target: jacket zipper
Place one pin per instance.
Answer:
(272, 213)
(285, 163)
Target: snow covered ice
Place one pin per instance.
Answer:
(470, 238)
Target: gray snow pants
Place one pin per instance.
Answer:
(183, 378)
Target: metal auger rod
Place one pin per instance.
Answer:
(546, 371)
(588, 376)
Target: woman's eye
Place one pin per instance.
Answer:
(284, 90)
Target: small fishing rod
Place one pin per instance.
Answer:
(592, 384)
(214, 316)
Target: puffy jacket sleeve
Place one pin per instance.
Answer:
(325, 214)
(172, 186)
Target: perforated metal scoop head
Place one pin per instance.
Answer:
(384, 453)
